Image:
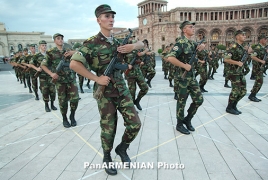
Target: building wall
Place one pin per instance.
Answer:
(217, 24)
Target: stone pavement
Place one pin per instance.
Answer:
(35, 145)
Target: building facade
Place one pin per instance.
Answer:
(218, 24)
(11, 42)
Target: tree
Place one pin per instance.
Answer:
(160, 51)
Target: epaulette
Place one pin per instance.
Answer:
(92, 37)
(234, 46)
(258, 47)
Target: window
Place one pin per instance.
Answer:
(215, 36)
(141, 31)
(160, 20)
(148, 30)
(163, 38)
(20, 47)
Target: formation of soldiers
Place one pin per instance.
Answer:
(183, 61)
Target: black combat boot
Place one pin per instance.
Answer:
(29, 85)
(81, 88)
(235, 108)
(121, 150)
(176, 96)
(47, 107)
(187, 121)
(253, 98)
(203, 89)
(149, 83)
(52, 106)
(65, 121)
(165, 77)
(181, 128)
(88, 85)
(36, 95)
(137, 103)
(226, 84)
(73, 121)
(30, 89)
(107, 160)
(211, 77)
(231, 110)
(170, 83)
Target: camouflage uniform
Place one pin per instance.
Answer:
(202, 69)
(97, 52)
(34, 79)
(26, 60)
(66, 84)
(237, 78)
(260, 52)
(212, 64)
(183, 50)
(134, 77)
(147, 69)
(46, 86)
(165, 64)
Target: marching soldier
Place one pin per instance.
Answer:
(47, 87)
(97, 52)
(180, 56)
(63, 77)
(164, 62)
(236, 72)
(259, 60)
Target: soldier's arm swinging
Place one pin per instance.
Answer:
(178, 63)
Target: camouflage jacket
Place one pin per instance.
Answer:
(36, 61)
(97, 52)
(183, 50)
(259, 51)
(136, 67)
(235, 53)
(53, 58)
(203, 55)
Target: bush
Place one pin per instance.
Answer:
(160, 51)
(221, 47)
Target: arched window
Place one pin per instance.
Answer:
(20, 47)
(215, 36)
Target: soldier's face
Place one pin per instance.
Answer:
(189, 30)
(106, 21)
(263, 41)
(241, 37)
(43, 47)
(25, 52)
(59, 40)
(32, 49)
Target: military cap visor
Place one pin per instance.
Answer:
(186, 23)
(262, 36)
(56, 35)
(25, 49)
(32, 45)
(42, 42)
(104, 8)
(239, 32)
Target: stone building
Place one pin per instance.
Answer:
(217, 24)
(11, 42)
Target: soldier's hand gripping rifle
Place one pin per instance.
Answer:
(244, 58)
(111, 67)
(265, 59)
(60, 67)
(37, 73)
(132, 64)
(192, 60)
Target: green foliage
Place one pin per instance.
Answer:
(160, 51)
(77, 45)
(221, 47)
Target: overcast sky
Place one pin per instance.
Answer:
(76, 18)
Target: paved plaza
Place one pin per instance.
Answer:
(35, 145)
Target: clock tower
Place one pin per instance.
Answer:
(150, 14)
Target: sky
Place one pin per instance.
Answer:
(75, 19)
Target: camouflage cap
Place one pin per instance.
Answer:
(186, 23)
(42, 42)
(261, 36)
(32, 45)
(238, 32)
(25, 49)
(104, 8)
(56, 35)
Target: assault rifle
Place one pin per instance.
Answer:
(60, 67)
(111, 67)
(192, 60)
(244, 58)
(265, 59)
(132, 64)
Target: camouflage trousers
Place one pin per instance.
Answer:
(183, 88)
(148, 72)
(108, 107)
(81, 79)
(28, 79)
(258, 81)
(171, 72)
(47, 88)
(34, 82)
(67, 92)
(132, 86)
(212, 67)
(203, 71)
(239, 89)
(165, 67)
